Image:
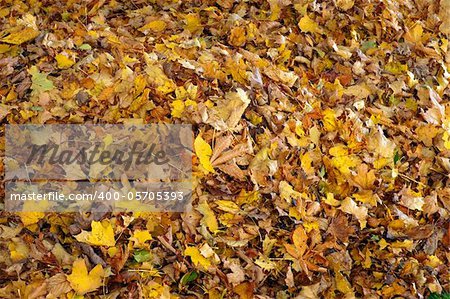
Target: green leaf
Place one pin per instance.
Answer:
(368, 45)
(396, 157)
(375, 238)
(37, 108)
(439, 296)
(39, 81)
(85, 47)
(188, 277)
(142, 256)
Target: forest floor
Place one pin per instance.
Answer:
(321, 157)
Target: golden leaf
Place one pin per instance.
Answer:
(203, 151)
(196, 257)
(140, 237)
(20, 37)
(209, 218)
(82, 281)
(63, 61)
(306, 24)
(102, 234)
(155, 26)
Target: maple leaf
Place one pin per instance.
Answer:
(196, 257)
(39, 80)
(83, 281)
(102, 234)
(64, 61)
(306, 24)
(140, 237)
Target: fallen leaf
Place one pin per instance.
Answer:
(39, 80)
(197, 258)
(83, 281)
(63, 61)
(209, 218)
(203, 151)
(102, 234)
(306, 24)
(24, 35)
(360, 212)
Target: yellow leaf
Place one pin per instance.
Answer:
(203, 151)
(338, 150)
(18, 250)
(140, 237)
(309, 226)
(299, 238)
(265, 263)
(306, 24)
(237, 37)
(344, 4)
(108, 140)
(112, 251)
(4, 48)
(227, 206)
(329, 120)
(446, 139)
(196, 257)
(83, 282)
(414, 35)
(248, 197)
(275, 10)
(155, 26)
(20, 37)
(63, 61)
(154, 290)
(102, 234)
(193, 22)
(366, 197)
(341, 160)
(177, 108)
(444, 15)
(406, 244)
(287, 192)
(364, 178)
(139, 84)
(209, 218)
(396, 68)
(158, 78)
(230, 109)
(343, 163)
(383, 244)
(360, 91)
(330, 200)
(342, 284)
(29, 218)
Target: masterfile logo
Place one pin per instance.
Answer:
(121, 167)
